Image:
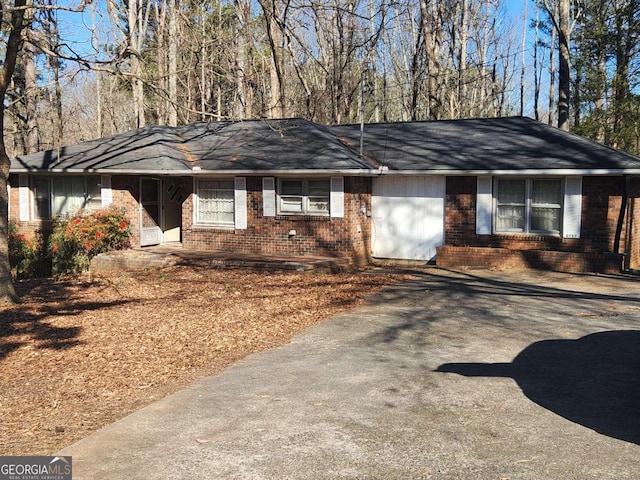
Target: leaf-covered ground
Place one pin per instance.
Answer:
(75, 356)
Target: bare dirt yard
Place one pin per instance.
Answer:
(77, 355)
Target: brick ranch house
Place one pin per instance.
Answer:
(504, 192)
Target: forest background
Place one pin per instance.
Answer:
(91, 69)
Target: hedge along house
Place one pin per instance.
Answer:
(275, 187)
(503, 192)
(487, 192)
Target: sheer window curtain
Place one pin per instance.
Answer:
(546, 205)
(510, 215)
(216, 201)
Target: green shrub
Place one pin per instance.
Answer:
(74, 241)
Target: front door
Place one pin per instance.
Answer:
(150, 208)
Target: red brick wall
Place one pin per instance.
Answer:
(347, 237)
(601, 202)
(126, 191)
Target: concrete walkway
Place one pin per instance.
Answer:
(454, 375)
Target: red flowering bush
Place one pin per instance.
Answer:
(75, 240)
(27, 254)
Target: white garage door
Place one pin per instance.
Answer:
(408, 217)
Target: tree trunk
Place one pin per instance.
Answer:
(53, 40)
(463, 106)
(172, 106)
(430, 38)
(552, 77)
(276, 35)
(564, 79)
(242, 107)
(523, 59)
(536, 75)
(12, 48)
(29, 52)
(137, 18)
(31, 97)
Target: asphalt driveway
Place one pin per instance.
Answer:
(453, 375)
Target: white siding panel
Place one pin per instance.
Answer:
(408, 217)
(484, 206)
(572, 207)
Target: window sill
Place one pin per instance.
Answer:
(210, 228)
(303, 218)
(527, 235)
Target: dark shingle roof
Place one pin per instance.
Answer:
(270, 145)
(480, 145)
(260, 145)
(147, 149)
(513, 144)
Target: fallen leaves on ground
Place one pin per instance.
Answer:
(78, 355)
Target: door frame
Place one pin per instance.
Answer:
(150, 235)
(172, 196)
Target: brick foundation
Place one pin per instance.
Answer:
(505, 259)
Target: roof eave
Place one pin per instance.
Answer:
(526, 171)
(343, 172)
(203, 172)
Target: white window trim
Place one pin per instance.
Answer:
(28, 199)
(528, 205)
(239, 204)
(331, 195)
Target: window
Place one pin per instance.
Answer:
(65, 195)
(304, 196)
(215, 202)
(529, 205)
(42, 197)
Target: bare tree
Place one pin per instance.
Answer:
(28, 57)
(13, 24)
(559, 13)
(431, 40)
(132, 36)
(275, 15)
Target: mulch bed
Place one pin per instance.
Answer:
(77, 355)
